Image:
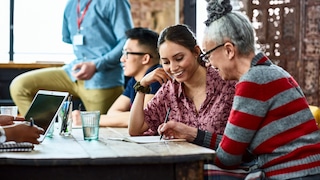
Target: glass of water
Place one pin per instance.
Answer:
(90, 124)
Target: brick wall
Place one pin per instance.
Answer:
(154, 14)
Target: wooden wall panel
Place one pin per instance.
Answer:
(310, 49)
(289, 33)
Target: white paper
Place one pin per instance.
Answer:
(145, 139)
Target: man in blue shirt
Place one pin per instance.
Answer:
(139, 57)
(96, 29)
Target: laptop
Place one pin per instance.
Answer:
(44, 109)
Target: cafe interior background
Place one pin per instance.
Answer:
(288, 31)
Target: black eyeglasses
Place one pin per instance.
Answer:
(205, 56)
(125, 53)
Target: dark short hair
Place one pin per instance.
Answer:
(146, 38)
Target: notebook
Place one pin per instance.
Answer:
(12, 146)
(44, 109)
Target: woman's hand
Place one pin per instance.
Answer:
(177, 130)
(156, 75)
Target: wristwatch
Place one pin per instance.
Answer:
(2, 135)
(138, 87)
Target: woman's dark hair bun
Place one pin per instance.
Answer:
(216, 9)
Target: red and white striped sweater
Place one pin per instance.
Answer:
(270, 118)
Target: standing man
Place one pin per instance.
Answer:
(96, 29)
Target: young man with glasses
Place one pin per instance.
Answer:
(139, 57)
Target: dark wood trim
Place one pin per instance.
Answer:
(11, 30)
(189, 13)
(37, 65)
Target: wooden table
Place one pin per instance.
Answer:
(73, 158)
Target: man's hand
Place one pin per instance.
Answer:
(76, 118)
(23, 133)
(84, 70)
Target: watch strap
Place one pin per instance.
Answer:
(2, 135)
(138, 87)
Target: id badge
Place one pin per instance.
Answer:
(78, 39)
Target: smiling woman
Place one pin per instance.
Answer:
(198, 98)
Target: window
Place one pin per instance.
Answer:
(201, 16)
(37, 31)
(4, 30)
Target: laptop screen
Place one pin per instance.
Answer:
(44, 108)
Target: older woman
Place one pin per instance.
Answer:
(270, 116)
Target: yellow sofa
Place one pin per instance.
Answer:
(316, 113)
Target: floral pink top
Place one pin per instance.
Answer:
(213, 113)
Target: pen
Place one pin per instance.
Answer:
(79, 107)
(31, 121)
(166, 119)
(65, 115)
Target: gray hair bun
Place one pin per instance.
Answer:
(216, 9)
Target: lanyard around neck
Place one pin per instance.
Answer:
(80, 18)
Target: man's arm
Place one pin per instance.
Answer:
(119, 112)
